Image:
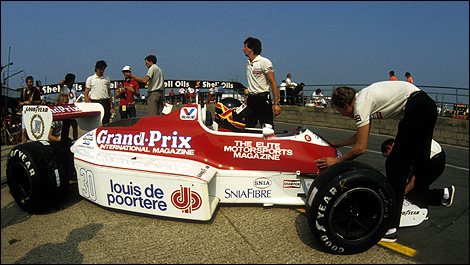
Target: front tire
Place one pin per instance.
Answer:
(349, 207)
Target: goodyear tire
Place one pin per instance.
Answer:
(349, 207)
(38, 174)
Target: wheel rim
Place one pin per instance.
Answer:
(356, 214)
(21, 182)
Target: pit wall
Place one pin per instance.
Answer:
(447, 130)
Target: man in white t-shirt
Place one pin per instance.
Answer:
(182, 93)
(156, 86)
(383, 100)
(98, 90)
(318, 98)
(191, 94)
(260, 75)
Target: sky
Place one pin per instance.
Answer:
(317, 42)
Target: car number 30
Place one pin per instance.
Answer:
(88, 180)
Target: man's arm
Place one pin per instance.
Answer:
(272, 82)
(163, 88)
(141, 80)
(359, 148)
(110, 95)
(411, 184)
(87, 92)
(51, 137)
(136, 91)
(36, 97)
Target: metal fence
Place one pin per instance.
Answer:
(445, 97)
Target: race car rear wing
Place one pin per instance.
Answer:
(38, 118)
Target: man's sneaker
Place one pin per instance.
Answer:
(390, 238)
(448, 202)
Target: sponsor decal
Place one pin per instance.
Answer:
(154, 143)
(295, 183)
(22, 156)
(321, 214)
(186, 200)
(247, 194)
(257, 71)
(64, 109)
(37, 126)
(36, 109)
(132, 195)
(308, 138)
(262, 183)
(88, 138)
(409, 212)
(188, 113)
(257, 150)
(357, 118)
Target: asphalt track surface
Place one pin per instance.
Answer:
(79, 231)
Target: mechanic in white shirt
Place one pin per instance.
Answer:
(97, 89)
(412, 146)
(289, 82)
(318, 98)
(290, 86)
(260, 76)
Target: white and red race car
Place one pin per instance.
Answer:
(180, 165)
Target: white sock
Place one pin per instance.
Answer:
(391, 231)
(446, 193)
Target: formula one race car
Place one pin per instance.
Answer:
(183, 164)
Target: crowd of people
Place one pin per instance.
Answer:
(98, 90)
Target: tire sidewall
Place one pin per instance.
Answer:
(39, 168)
(333, 187)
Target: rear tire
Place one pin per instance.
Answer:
(349, 207)
(38, 174)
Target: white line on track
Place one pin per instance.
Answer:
(447, 165)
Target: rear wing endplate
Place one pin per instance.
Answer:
(38, 118)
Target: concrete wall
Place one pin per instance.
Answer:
(447, 130)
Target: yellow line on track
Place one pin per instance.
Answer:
(400, 248)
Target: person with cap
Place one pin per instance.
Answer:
(98, 90)
(128, 88)
(156, 86)
(392, 76)
(408, 77)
